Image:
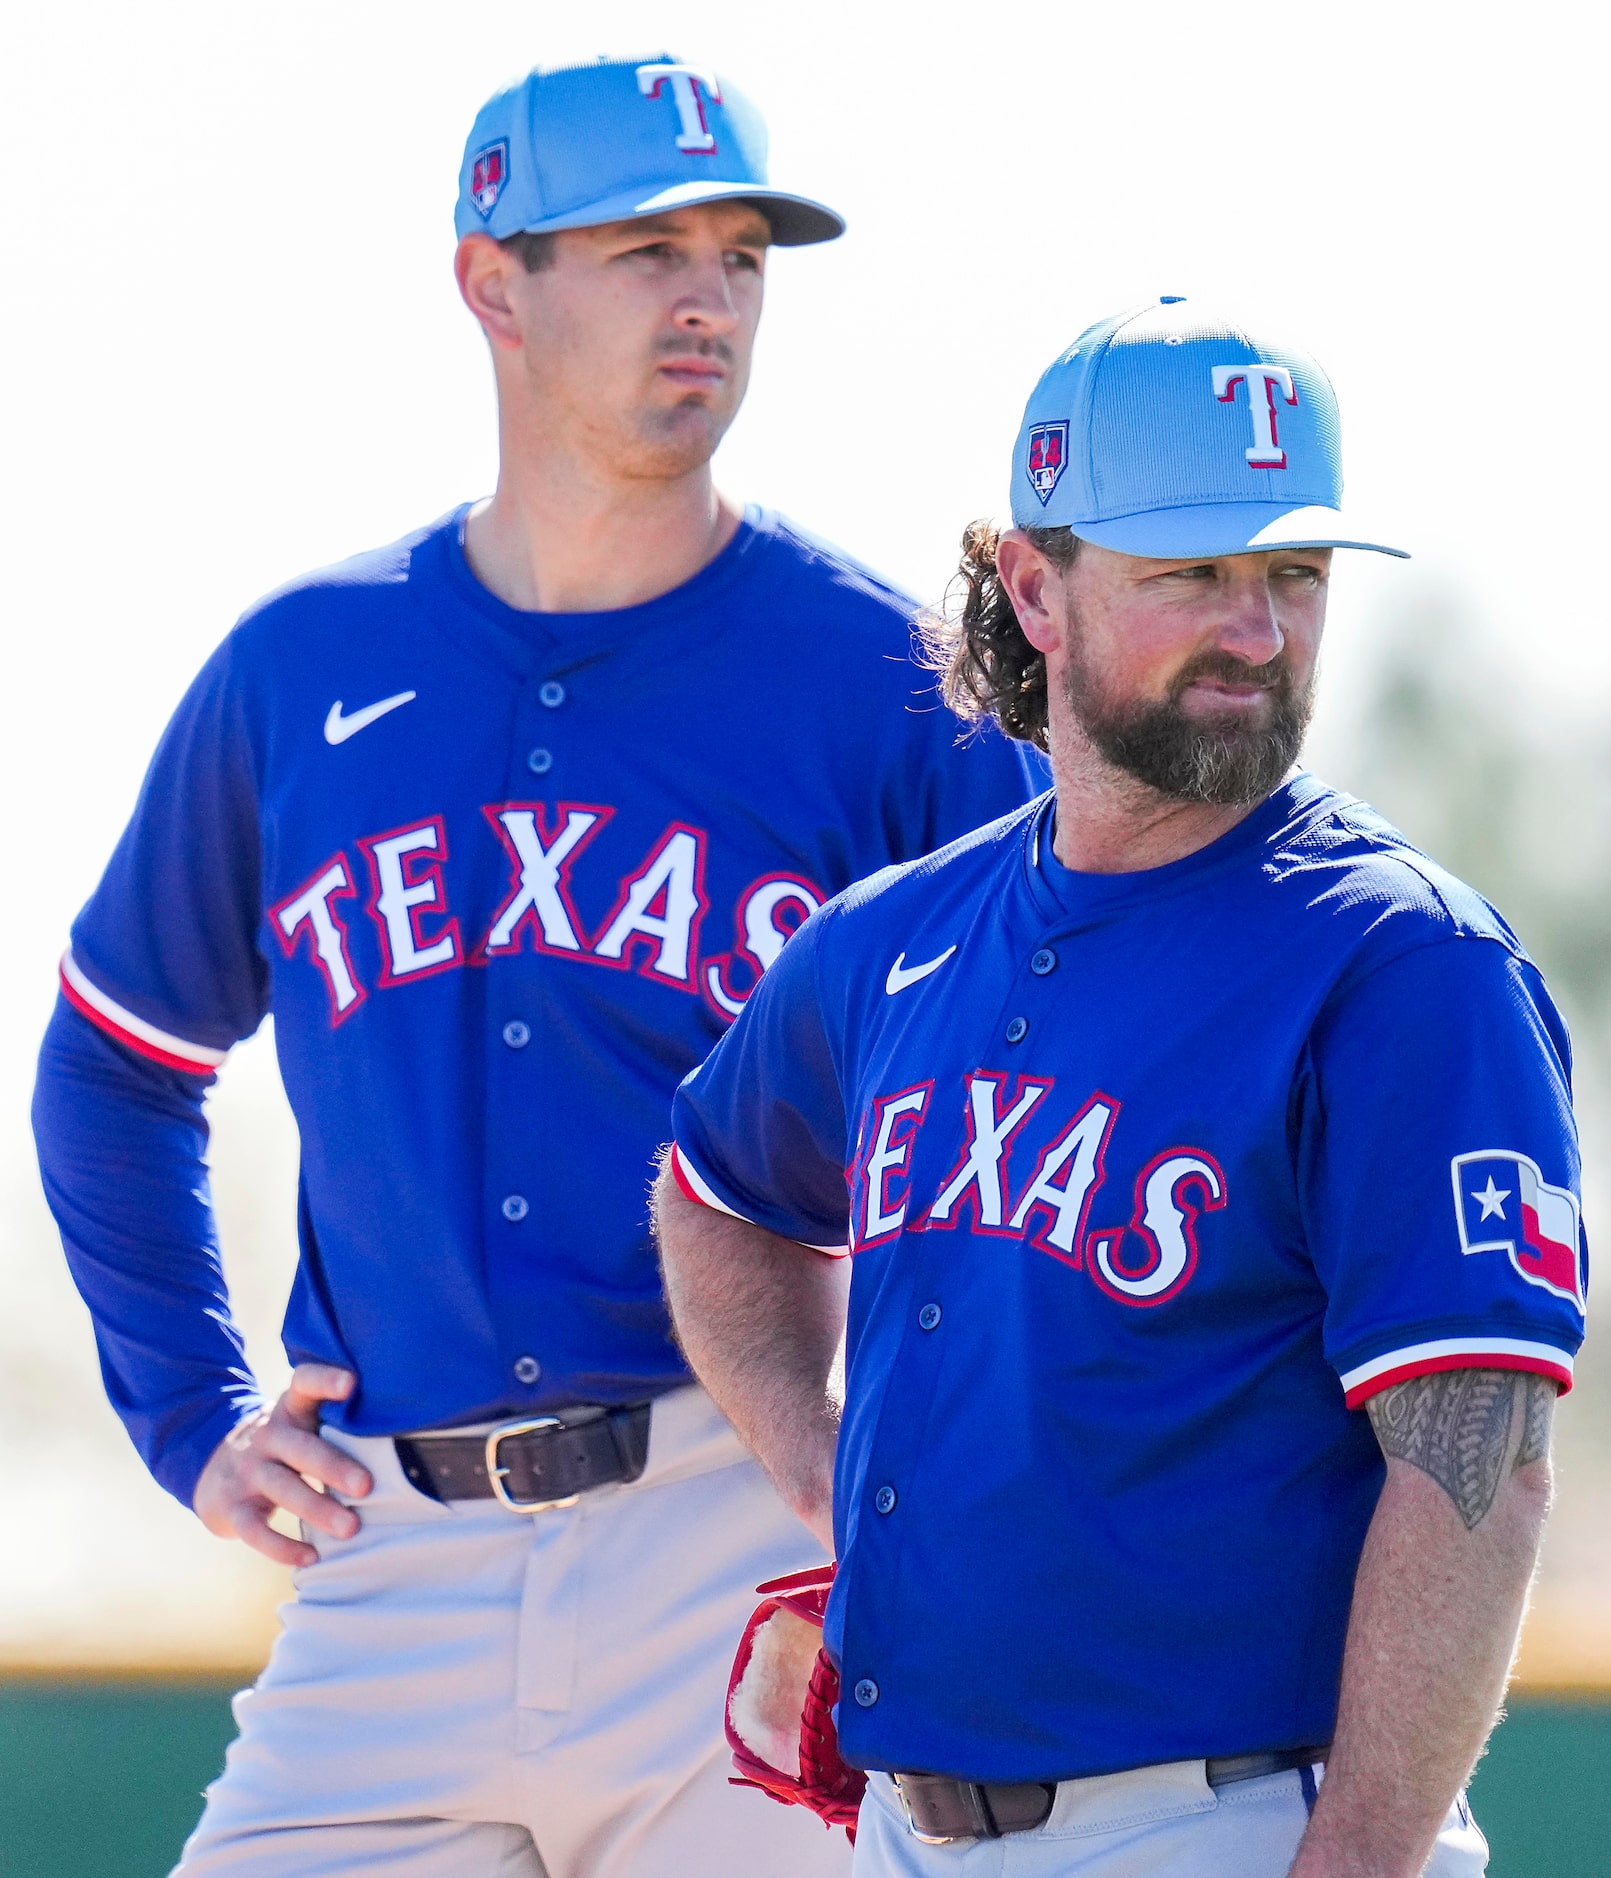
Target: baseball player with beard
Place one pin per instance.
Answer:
(1213, 1204)
(503, 823)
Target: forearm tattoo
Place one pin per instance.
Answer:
(1534, 1444)
(1460, 1428)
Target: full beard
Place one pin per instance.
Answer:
(1199, 758)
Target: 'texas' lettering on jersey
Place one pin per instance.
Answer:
(653, 926)
(1146, 1261)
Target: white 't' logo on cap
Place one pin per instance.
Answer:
(1266, 452)
(693, 133)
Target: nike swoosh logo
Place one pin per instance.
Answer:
(901, 974)
(337, 729)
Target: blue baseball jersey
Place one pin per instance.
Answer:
(502, 877)
(1151, 1180)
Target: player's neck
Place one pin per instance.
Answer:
(555, 539)
(1111, 823)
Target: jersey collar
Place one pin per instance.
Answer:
(1064, 895)
(520, 634)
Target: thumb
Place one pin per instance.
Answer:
(311, 1384)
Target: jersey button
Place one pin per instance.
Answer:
(552, 694)
(1017, 1030)
(527, 1369)
(865, 1692)
(928, 1317)
(516, 1034)
(884, 1499)
(1044, 961)
(515, 1207)
(539, 761)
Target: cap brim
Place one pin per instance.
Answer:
(796, 221)
(1216, 528)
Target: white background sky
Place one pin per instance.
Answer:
(232, 350)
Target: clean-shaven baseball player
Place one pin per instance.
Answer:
(503, 823)
(1212, 1200)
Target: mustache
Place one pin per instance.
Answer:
(1221, 668)
(713, 347)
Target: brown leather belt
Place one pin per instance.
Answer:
(538, 1462)
(940, 1809)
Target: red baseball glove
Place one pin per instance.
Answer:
(780, 1704)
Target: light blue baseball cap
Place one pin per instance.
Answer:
(571, 146)
(1170, 432)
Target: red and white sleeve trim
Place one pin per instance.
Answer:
(696, 1188)
(107, 1014)
(1425, 1359)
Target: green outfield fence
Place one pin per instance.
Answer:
(104, 1779)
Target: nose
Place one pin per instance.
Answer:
(1251, 628)
(706, 303)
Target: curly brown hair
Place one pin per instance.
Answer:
(987, 668)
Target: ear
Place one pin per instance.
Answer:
(483, 271)
(1034, 585)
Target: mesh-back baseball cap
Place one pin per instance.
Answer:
(571, 146)
(1168, 431)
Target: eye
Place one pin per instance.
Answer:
(745, 259)
(1305, 573)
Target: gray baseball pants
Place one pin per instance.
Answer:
(461, 1691)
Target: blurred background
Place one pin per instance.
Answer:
(232, 350)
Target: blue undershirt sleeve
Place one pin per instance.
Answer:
(163, 976)
(121, 1151)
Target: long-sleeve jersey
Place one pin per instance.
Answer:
(503, 878)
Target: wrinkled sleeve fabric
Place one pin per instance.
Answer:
(759, 1128)
(1439, 1170)
(122, 1144)
(162, 977)
(168, 940)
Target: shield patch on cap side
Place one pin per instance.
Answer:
(488, 174)
(1048, 457)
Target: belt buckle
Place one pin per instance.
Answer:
(923, 1838)
(496, 1475)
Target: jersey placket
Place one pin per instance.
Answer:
(518, 1062)
(932, 1310)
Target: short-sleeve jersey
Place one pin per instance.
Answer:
(503, 877)
(1153, 1179)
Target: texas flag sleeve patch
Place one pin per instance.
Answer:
(1502, 1203)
